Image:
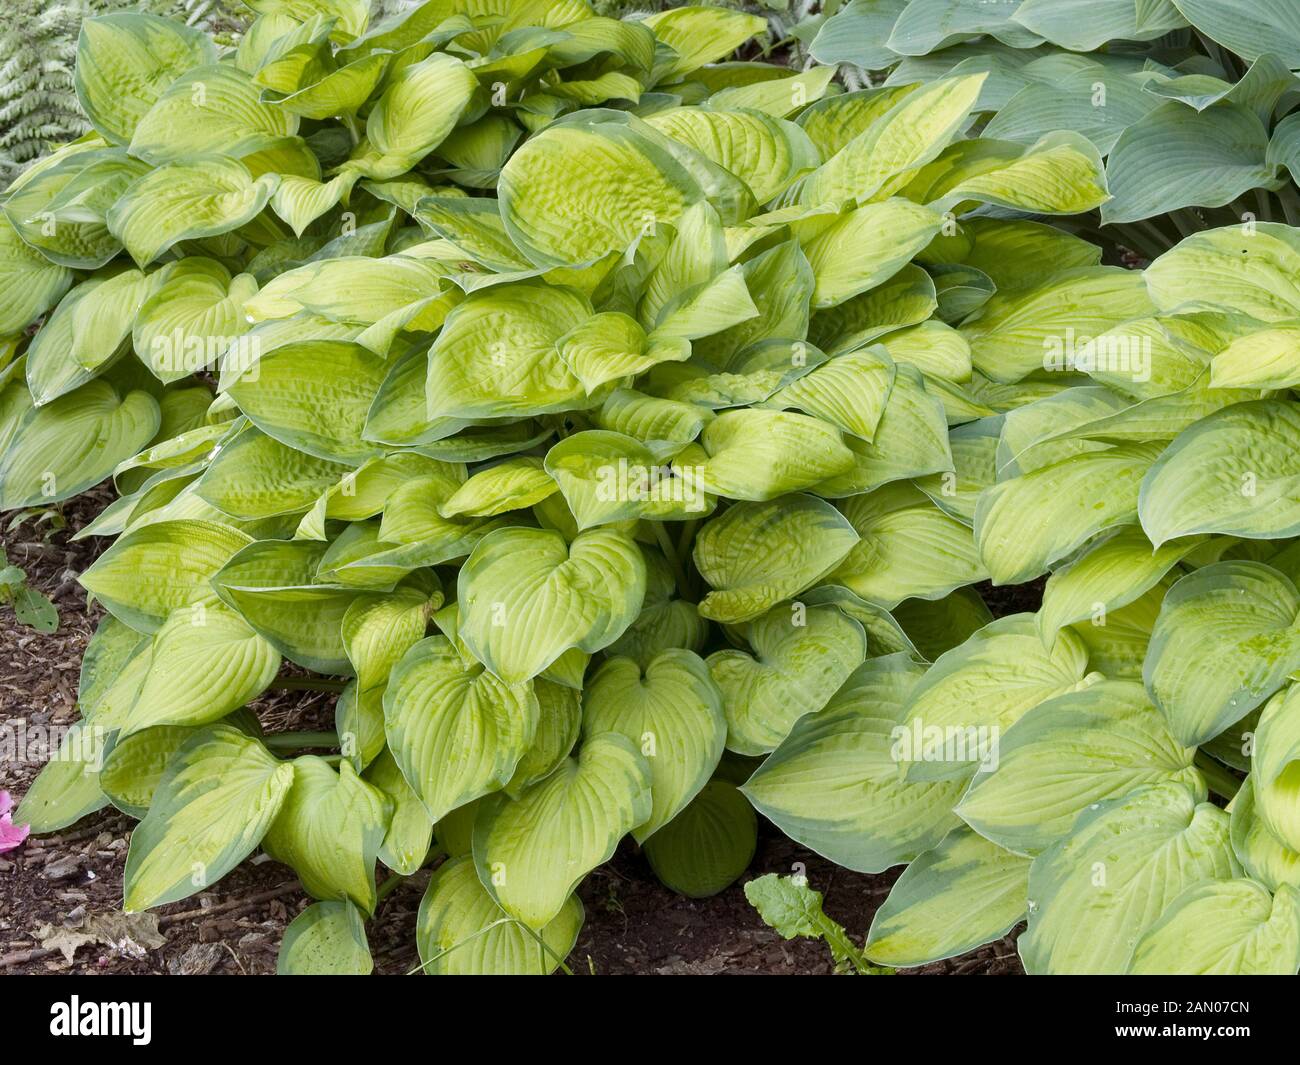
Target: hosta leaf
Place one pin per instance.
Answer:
(285, 393)
(208, 110)
(1221, 269)
(359, 722)
(885, 636)
(911, 440)
(379, 629)
(420, 106)
(763, 150)
(1249, 28)
(611, 345)
(757, 554)
(101, 318)
(67, 787)
(1111, 574)
(1024, 525)
(255, 476)
(850, 391)
(779, 96)
(301, 200)
(1119, 647)
(461, 931)
(759, 454)
(608, 477)
(973, 447)
(866, 246)
(559, 721)
(474, 226)
(881, 158)
(672, 712)
(956, 714)
(937, 350)
(1224, 928)
(29, 283)
(410, 831)
(136, 764)
(1269, 358)
(1018, 332)
(205, 661)
(216, 801)
(329, 830)
(581, 810)
(801, 657)
(1093, 895)
(191, 318)
(708, 846)
(351, 14)
(1070, 103)
(126, 60)
(526, 597)
(1227, 637)
(187, 201)
(1231, 473)
(365, 492)
(349, 288)
(927, 26)
(60, 209)
(456, 731)
(326, 939)
(272, 584)
(512, 484)
(114, 653)
(908, 547)
(1176, 157)
(574, 193)
(1259, 88)
(74, 442)
(907, 298)
(1083, 25)
(156, 569)
(858, 34)
(1065, 756)
(496, 355)
(964, 892)
(940, 625)
(339, 92)
(1273, 766)
(1262, 854)
(833, 783)
(700, 35)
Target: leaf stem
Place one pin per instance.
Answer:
(388, 887)
(1218, 777)
(670, 553)
(1188, 224)
(1290, 204)
(1265, 205)
(292, 741)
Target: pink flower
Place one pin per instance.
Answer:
(11, 835)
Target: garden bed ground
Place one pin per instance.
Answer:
(60, 895)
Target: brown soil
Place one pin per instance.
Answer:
(61, 882)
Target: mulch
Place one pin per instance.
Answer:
(56, 893)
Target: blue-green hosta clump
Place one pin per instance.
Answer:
(620, 429)
(1192, 102)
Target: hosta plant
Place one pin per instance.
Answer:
(620, 429)
(1191, 101)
